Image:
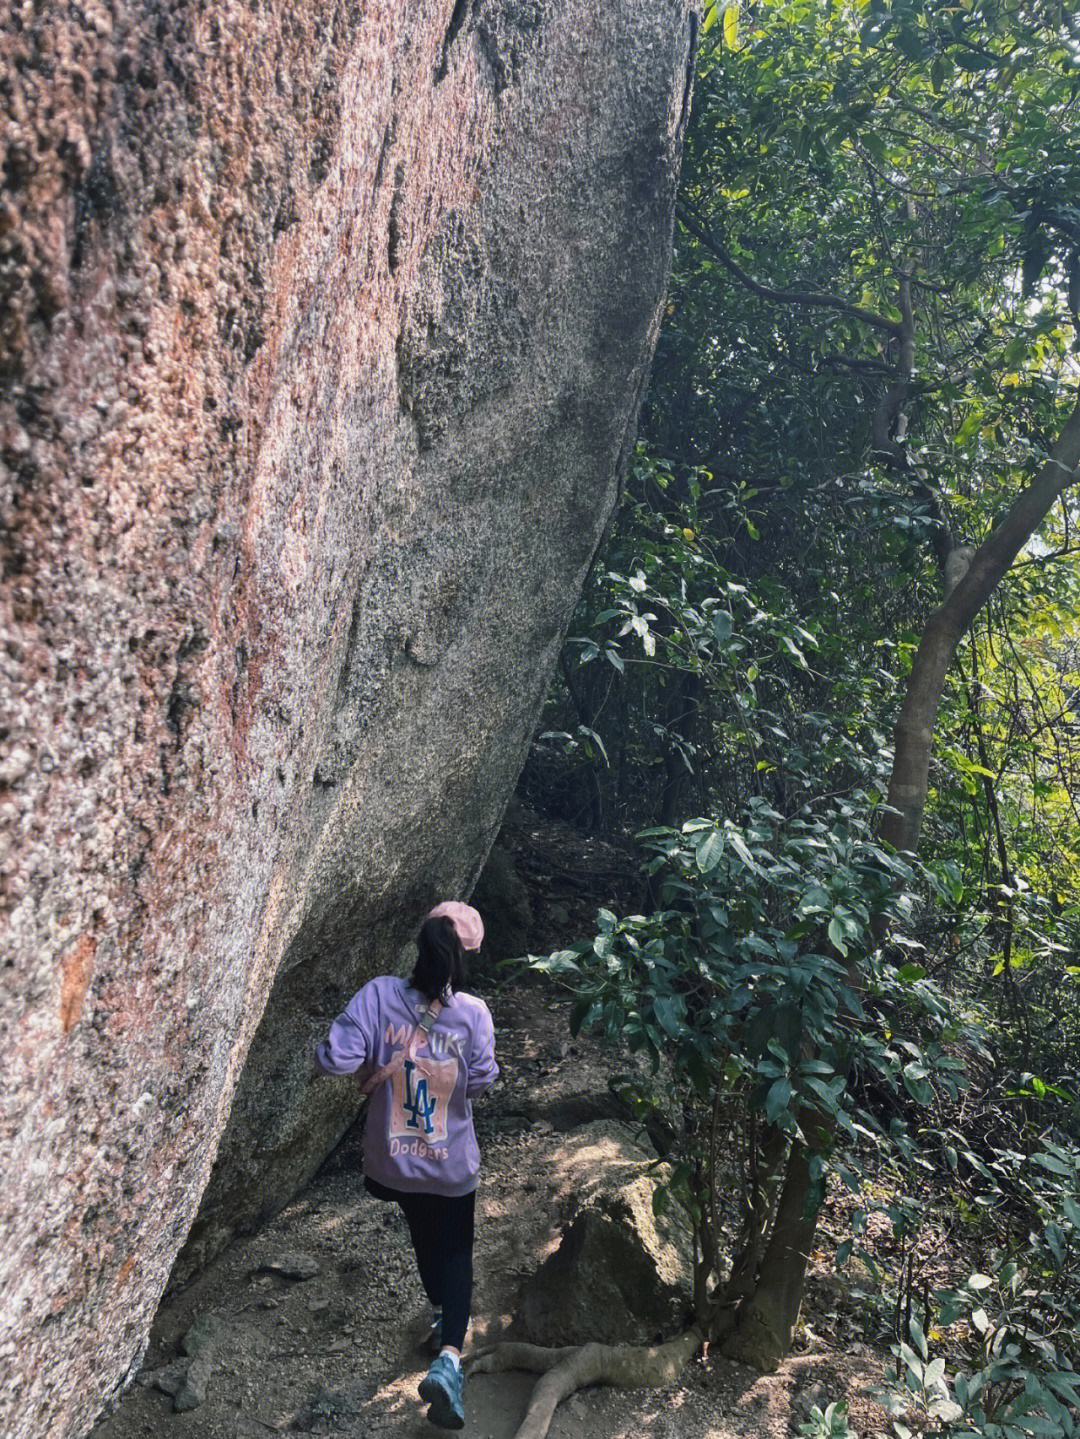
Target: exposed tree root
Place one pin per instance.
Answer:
(624, 1366)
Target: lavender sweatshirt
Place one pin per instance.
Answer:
(419, 1132)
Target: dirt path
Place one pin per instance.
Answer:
(317, 1317)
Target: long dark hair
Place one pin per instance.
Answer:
(440, 964)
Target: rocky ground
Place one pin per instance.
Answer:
(312, 1325)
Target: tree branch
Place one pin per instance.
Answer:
(997, 552)
(814, 298)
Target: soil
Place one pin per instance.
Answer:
(320, 1315)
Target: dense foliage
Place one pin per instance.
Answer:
(869, 366)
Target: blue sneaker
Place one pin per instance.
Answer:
(441, 1388)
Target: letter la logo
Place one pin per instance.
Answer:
(421, 1094)
(416, 1104)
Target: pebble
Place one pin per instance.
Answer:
(15, 766)
(294, 1266)
(817, 1394)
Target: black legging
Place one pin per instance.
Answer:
(441, 1230)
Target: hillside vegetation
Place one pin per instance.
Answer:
(826, 671)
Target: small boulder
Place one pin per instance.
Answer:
(558, 915)
(204, 1329)
(815, 1396)
(326, 1410)
(168, 1378)
(621, 1274)
(571, 1111)
(192, 1391)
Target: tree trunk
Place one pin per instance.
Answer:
(682, 718)
(766, 1322)
(765, 1168)
(948, 625)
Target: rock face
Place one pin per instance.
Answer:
(322, 334)
(503, 900)
(621, 1274)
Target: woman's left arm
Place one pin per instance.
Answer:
(483, 1070)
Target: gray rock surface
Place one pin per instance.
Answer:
(521, 355)
(503, 900)
(621, 1274)
(323, 331)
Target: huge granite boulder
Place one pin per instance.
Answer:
(323, 330)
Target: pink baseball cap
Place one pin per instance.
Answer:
(465, 919)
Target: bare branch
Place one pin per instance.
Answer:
(814, 298)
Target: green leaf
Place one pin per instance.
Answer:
(666, 1010)
(915, 1082)
(1055, 1166)
(909, 42)
(829, 1094)
(710, 848)
(584, 1012)
(739, 846)
(778, 1099)
(909, 973)
(731, 26)
(1055, 1238)
(565, 961)
(814, 900)
(1065, 1385)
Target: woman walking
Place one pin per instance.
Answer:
(427, 1051)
